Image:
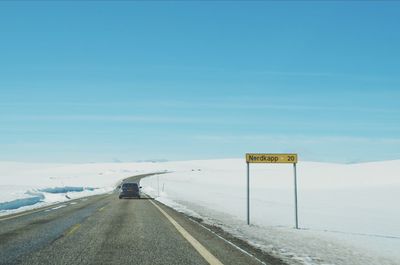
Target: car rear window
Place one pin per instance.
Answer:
(130, 185)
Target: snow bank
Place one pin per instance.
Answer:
(66, 189)
(29, 185)
(31, 199)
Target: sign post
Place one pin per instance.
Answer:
(158, 185)
(295, 197)
(248, 193)
(272, 159)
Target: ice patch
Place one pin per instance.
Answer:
(18, 203)
(17, 200)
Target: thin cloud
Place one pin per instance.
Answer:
(363, 77)
(124, 118)
(305, 74)
(276, 139)
(212, 104)
(116, 118)
(216, 120)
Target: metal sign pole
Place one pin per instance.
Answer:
(248, 193)
(158, 185)
(295, 196)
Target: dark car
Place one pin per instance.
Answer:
(129, 190)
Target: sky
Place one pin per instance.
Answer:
(100, 81)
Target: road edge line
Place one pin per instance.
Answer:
(210, 258)
(227, 241)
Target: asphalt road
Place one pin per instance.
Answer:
(106, 230)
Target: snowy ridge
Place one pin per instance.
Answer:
(33, 197)
(66, 189)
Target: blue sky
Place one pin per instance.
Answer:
(103, 81)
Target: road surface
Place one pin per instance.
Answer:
(106, 230)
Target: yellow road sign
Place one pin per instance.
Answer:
(271, 158)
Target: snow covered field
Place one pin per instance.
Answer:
(349, 214)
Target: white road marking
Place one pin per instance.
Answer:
(229, 242)
(58, 207)
(40, 209)
(210, 258)
(55, 208)
(24, 213)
